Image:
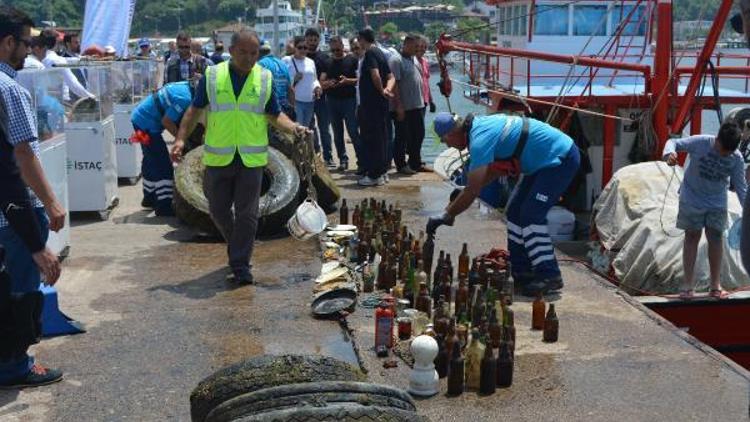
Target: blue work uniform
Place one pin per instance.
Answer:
(549, 161)
(158, 174)
(281, 81)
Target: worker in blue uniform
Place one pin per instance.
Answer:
(159, 111)
(546, 158)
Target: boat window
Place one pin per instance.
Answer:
(522, 18)
(501, 19)
(516, 23)
(636, 25)
(551, 20)
(589, 20)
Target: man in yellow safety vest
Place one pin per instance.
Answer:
(241, 103)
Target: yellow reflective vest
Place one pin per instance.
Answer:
(236, 124)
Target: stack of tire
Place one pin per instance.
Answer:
(282, 192)
(297, 388)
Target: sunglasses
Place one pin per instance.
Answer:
(301, 47)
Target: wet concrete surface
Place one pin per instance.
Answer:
(161, 316)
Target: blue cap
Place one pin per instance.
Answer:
(443, 123)
(144, 42)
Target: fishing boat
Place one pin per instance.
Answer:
(608, 71)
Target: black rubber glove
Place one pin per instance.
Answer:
(432, 107)
(436, 221)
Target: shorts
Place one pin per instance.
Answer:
(693, 218)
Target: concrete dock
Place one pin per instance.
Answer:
(160, 317)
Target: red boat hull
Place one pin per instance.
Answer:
(722, 324)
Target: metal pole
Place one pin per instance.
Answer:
(700, 64)
(275, 47)
(662, 73)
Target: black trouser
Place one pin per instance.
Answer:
(372, 134)
(409, 137)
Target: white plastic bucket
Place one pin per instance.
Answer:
(307, 221)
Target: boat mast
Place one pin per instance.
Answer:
(275, 5)
(661, 93)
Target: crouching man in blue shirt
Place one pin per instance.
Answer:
(548, 159)
(161, 110)
(714, 163)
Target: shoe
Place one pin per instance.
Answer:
(368, 181)
(330, 164)
(407, 171)
(37, 376)
(360, 171)
(147, 203)
(241, 277)
(386, 179)
(164, 212)
(549, 285)
(344, 166)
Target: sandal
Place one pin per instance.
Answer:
(687, 294)
(717, 293)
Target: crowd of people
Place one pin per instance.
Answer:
(377, 95)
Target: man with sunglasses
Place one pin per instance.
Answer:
(185, 65)
(321, 59)
(23, 223)
(338, 83)
(548, 159)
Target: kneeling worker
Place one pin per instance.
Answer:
(161, 110)
(240, 101)
(548, 159)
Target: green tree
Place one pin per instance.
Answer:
(472, 29)
(434, 30)
(389, 29)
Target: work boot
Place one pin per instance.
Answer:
(368, 181)
(406, 170)
(330, 165)
(36, 377)
(522, 279)
(544, 286)
(344, 166)
(147, 202)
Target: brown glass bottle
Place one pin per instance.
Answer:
(551, 325)
(356, 217)
(382, 270)
(504, 378)
(537, 312)
(448, 267)
(451, 337)
(441, 320)
(391, 274)
(495, 329)
(441, 360)
(488, 376)
(462, 295)
(428, 252)
(463, 262)
(424, 301)
(344, 213)
(510, 327)
(456, 372)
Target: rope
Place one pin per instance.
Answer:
(664, 205)
(549, 103)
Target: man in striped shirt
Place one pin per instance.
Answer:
(20, 299)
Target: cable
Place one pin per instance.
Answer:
(664, 205)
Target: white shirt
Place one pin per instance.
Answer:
(71, 82)
(303, 90)
(359, 71)
(31, 62)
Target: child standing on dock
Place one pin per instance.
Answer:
(715, 164)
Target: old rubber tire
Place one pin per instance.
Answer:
(337, 413)
(278, 201)
(329, 397)
(193, 217)
(264, 372)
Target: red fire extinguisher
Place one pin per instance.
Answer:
(383, 326)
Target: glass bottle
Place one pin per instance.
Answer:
(441, 320)
(462, 295)
(451, 337)
(504, 376)
(437, 277)
(474, 355)
(424, 301)
(551, 325)
(421, 276)
(441, 360)
(473, 274)
(392, 273)
(537, 312)
(463, 262)
(430, 331)
(356, 216)
(428, 252)
(462, 331)
(488, 376)
(367, 277)
(456, 372)
(382, 269)
(448, 267)
(510, 326)
(343, 213)
(495, 330)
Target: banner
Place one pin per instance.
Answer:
(107, 23)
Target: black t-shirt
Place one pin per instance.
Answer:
(369, 97)
(321, 60)
(346, 66)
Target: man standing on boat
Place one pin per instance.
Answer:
(548, 160)
(715, 164)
